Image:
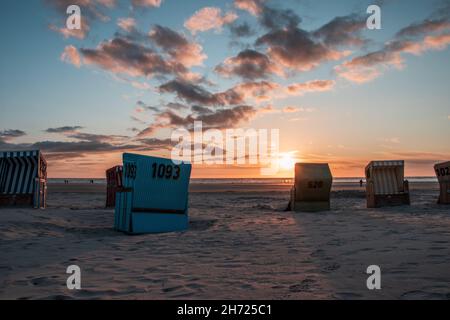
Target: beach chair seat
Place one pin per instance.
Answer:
(312, 187)
(113, 183)
(443, 175)
(385, 184)
(154, 196)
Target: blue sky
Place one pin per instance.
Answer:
(402, 112)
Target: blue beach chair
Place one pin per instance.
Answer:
(154, 196)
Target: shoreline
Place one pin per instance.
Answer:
(230, 187)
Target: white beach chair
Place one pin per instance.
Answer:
(385, 184)
(312, 187)
(443, 174)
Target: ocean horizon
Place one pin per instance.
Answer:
(337, 180)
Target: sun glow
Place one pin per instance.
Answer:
(286, 161)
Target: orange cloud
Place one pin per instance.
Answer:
(71, 55)
(147, 3)
(127, 24)
(209, 18)
(252, 6)
(310, 86)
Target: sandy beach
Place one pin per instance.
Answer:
(241, 244)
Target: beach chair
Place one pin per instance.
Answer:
(312, 187)
(113, 182)
(23, 179)
(154, 195)
(385, 184)
(443, 175)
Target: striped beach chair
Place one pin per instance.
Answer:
(312, 187)
(385, 184)
(443, 175)
(113, 182)
(154, 196)
(23, 179)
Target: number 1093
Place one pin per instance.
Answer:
(165, 171)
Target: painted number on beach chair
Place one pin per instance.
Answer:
(130, 170)
(315, 184)
(443, 172)
(166, 171)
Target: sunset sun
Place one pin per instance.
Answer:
(286, 161)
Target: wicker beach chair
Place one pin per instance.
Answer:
(113, 183)
(385, 184)
(443, 174)
(23, 179)
(312, 187)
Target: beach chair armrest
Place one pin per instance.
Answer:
(406, 186)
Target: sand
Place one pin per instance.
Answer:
(241, 244)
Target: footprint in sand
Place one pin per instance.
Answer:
(304, 286)
(41, 281)
(331, 267)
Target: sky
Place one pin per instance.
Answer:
(337, 91)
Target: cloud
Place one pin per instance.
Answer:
(424, 27)
(124, 56)
(161, 53)
(65, 129)
(413, 39)
(218, 119)
(85, 143)
(75, 33)
(143, 107)
(146, 3)
(310, 86)
(276, 19)
(228, 118)
(255, 7)
(127, 24)
(291, 109)
(156, 144)
(241, 30)
(209, 18)
(248, 64)
(201, 110)
(177, 46)
(176, 106)
(296, 49)
(193, 93)
(71, 55)
(9, 134)
(92, 10)
(140, 85)
(260, 91)
(344, 30)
